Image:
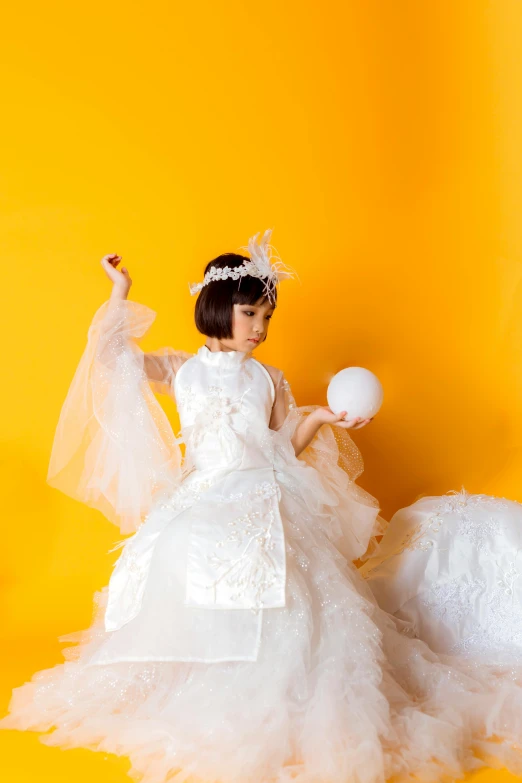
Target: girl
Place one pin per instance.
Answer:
(236, 641)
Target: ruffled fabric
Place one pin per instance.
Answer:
(349, 512)
(337, 694)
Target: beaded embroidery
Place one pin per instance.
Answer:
(188, 493)
(263, 489)
(254, 568)
(187, 397)
(252, 532)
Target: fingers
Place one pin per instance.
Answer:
(112, 258)
(348, 423)
(355, 424)
(331, 417)
(119, 277)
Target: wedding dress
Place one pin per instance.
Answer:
(450, 567)
(236, 640)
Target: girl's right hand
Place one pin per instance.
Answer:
(119, 278)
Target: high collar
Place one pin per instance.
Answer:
(222, 358)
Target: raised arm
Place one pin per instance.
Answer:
(114, 448)
(159, 366)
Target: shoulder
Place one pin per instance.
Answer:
(276, 374)
(178, 359)
(183, 355)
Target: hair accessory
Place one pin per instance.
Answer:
(258, 265)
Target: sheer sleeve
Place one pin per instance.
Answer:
(284, 401)
(353, 513)
(114, 448)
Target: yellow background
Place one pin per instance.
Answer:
(380, 140)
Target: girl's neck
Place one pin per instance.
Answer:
(213, 344)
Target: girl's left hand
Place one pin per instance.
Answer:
(325, 415)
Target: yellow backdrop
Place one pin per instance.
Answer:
(380, 140)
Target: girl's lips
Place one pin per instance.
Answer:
(251, 340)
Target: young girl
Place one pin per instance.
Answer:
(236, 641)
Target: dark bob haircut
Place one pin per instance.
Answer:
(214, 305)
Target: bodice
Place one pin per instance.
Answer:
(224, 401)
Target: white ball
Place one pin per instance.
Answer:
(357, 391)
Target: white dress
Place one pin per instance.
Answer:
(450, 567)
(236, 640)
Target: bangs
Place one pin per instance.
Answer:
(249, 290)
(216, 300)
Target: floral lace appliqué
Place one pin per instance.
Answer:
(478, 530)
(496, 627)
(263, 489)
(188, 493)
(470, 524)
(253, 568)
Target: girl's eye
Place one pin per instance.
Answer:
(249, 312)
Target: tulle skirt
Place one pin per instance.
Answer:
(339, 692)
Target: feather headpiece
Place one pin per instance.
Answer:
(259, 264)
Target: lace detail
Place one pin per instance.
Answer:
(289, 395)
(416, 538)
(508, 578)
(454, 600)
(464, 506)
(216, 273)
(213, 419)
(263, 489)
(253, 569)
(479, 531)
(186, 495)
(499, 628)
(462, 503)
(259, 264)
(187, 397)
(216, 406)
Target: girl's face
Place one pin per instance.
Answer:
(249, 325)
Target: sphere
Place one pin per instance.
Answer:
(357, 391)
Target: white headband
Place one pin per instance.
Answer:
(258, 265)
